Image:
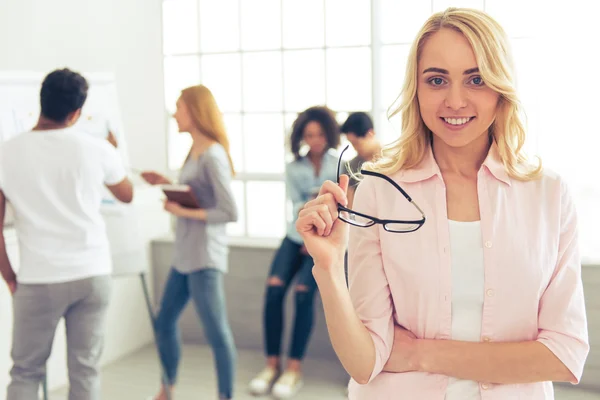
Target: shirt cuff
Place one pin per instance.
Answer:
(571, 351)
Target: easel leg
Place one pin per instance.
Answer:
(164, 379)
(45, 386)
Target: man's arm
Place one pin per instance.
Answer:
(6, 270)
(112, 139)
(115, 178)
(123, 190)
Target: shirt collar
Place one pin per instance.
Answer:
(428, 167)
(328, 157)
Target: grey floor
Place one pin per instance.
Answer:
(136, 377)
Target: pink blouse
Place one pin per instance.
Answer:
(533, 288)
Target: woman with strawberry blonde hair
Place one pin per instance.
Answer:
(464, 266)
(201, 252)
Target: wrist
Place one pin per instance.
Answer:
(420, 361)
(330, 271)
(199, 214)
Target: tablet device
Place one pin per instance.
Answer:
(181, 194)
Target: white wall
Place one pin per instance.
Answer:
(119, 36)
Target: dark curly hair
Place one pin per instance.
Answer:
(322, 115)
(63, 92)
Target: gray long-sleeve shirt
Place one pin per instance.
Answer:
(203, 244)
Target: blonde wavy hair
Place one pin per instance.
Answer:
(490, 45)
(207, 116)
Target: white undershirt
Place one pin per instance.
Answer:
(467, 296)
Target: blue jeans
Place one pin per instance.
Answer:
(289, 262)
(205, 287)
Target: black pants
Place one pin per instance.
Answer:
(288, 263)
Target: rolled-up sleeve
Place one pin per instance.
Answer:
(367, 280)
(562, 318)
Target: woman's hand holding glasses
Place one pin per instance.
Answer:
(325, 236)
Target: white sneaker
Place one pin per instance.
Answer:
(263, 382)
(288, 385)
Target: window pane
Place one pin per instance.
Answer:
(304, 74)
(180, 72)
(222, 75)
(392, 72)
(266, 209)
(262, 82)
(289, 121)
(402, 19)
(233, 124)
(518, 18)
(179, 146)
(303, 24)
(349, 79)
(388, 130)
(525, 53)
(441, 5)
(180, 27)
(341, 117)
(261, 24)
(219, 25)
(263, 143)
(348, 22)
(238, 228)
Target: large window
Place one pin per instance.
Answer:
(266, 60)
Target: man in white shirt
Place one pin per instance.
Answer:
(55, 178)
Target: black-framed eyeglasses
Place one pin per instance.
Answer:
(364, 221)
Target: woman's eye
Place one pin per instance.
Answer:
(478, 81)
(436, 81)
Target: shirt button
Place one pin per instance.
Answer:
(490, 292)
(485, 386)
(488, 244)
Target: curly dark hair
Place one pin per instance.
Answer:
(63, 92)
(322, 115)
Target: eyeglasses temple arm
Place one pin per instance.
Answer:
(340, 163)
(418, 208)
(364, 172)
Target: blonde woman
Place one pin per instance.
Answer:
(464, 268)
(200, 259)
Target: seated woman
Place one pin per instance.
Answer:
(318, 130)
